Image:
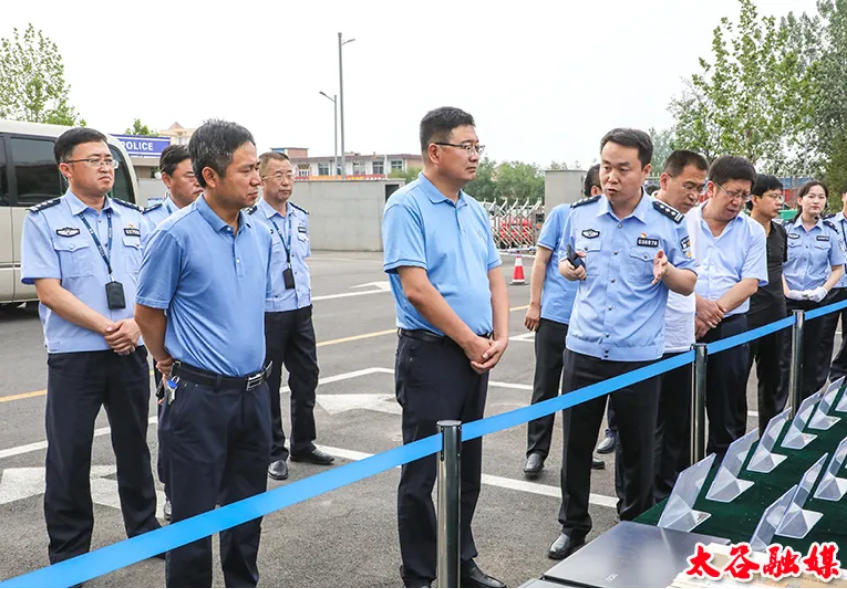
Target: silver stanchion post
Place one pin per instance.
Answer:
(449, 482)
(795, 376)
(698, 404)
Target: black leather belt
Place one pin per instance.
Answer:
(218, 381)
(432, 338)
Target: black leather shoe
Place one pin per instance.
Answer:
(167, 510)
(564, 546)
(597, 464)
(533, 466)
(607, 446)
(315, 457)
(278, 470)
(474, 577)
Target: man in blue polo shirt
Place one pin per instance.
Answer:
(550, 304)
(208, 267)
(453, 320)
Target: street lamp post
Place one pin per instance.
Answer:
(334, 101)
(341, 105)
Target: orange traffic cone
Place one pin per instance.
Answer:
(518, 276)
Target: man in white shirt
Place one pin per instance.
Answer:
(682, 184)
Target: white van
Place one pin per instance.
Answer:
(29, 175)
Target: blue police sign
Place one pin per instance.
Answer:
(142, 146)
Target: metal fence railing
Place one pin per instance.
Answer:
(515, 225)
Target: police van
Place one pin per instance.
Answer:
(29, 175)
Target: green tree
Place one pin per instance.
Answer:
(139, 129)
(829, 118)
(739, 102)
(662, 148)
(409, 175)
(484, 186)
(32, 80)
(517, 181)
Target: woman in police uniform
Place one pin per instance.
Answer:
(815, 264)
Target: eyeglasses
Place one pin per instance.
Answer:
(469, 148)
(696, 189)
(97, 162)
(280, 175)
(734, 194)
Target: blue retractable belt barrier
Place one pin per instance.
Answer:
(122, 554)
(749, 336)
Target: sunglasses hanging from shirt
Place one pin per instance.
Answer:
(114, 290)
(288, 273)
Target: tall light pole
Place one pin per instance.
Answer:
(334, 101)
(341, 92)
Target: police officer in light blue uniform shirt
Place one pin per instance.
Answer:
(201, 300)
(633, 250)
(83, 252)
(289, 333)
(452, 314)
(815, 264)
(732, 256)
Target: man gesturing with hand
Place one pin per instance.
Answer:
(452, 315)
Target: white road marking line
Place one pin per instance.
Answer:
(348, 294)
(494, 481)
(527, 337)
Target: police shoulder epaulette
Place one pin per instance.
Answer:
(45, 205)
(829, 216)
(158, 205)
(830, 224)
(252, 209)
(585, 201)
(668, 211)
(129, 205)
(299, 208)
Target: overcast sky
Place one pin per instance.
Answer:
(544, 82)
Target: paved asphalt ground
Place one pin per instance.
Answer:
(346, 538)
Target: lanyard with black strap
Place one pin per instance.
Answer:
(288, 273)
(114, 290)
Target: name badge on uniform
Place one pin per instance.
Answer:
(132, 231)
(301, 233)
(590, 233)
(822, 238)
(67, 232)
(647, 242)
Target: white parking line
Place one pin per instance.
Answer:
(494, 481)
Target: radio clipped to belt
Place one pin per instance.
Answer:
(114, 290)
(288, 273)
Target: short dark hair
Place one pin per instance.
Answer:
(732, 167)
(266, 158)
(765, 183)
(592, 179)
(631, 138)
(213, 144)
(438, 124)
(67, 141)
(680, 159)
(172, 156)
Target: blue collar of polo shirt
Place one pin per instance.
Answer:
(212, 218)
(639, 213)
(435, 196)
(77, 206)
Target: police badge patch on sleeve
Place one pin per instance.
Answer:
(685, 244)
